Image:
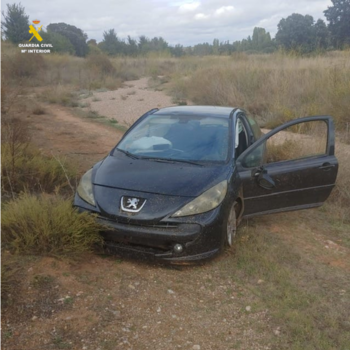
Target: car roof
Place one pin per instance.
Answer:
(211, 111)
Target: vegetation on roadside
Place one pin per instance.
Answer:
(47, 225)
(25, 168)
(37, 213)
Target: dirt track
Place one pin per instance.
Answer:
(64, 134)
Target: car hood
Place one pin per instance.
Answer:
(173, 179)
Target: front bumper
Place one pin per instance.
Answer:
(200, 236)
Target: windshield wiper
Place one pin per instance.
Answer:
(128, 154)
(163, 160)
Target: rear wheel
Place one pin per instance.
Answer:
(231, 225)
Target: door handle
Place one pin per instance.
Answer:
(326, 166)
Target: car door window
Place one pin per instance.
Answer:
(299, 141)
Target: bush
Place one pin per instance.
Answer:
(22, 66)
(47, 225)
(61, 95)
(100, 64)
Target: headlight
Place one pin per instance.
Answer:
(85, 188)
(206, 201)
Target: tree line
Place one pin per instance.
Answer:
(296, 32)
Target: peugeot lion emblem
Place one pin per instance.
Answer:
(132, 204)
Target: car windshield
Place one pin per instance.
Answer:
(179, 138)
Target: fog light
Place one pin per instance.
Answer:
(178, 248)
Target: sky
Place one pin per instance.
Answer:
(185, 22)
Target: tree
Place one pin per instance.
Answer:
(16, 24)
(202, 49)
(75, 35)
(296, 32)
(177, 50)
(132, 46)
(158, 44)
(59, 42)
(92, 42)
(144, 44)
(216, 44)
(111, 43)
(321, 34)
(225, 48)
(338, 17)
(261, 39)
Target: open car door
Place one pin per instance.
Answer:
(290, 168)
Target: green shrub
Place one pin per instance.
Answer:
(47, 225)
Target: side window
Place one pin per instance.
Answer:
(303, 140)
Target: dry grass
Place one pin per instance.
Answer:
(274, 87)
(94, 72)
(24, 168)
(22, 68)
(60, 94)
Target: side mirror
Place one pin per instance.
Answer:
(263, 179)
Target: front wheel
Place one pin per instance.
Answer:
(231, 225)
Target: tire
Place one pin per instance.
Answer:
(231, 225)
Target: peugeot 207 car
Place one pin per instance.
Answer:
(181, 179)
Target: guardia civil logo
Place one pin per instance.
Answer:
(33, 47)
(33, 31)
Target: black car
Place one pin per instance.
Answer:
(180, 180)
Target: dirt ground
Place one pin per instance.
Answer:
(104, 302)
(62, 133)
